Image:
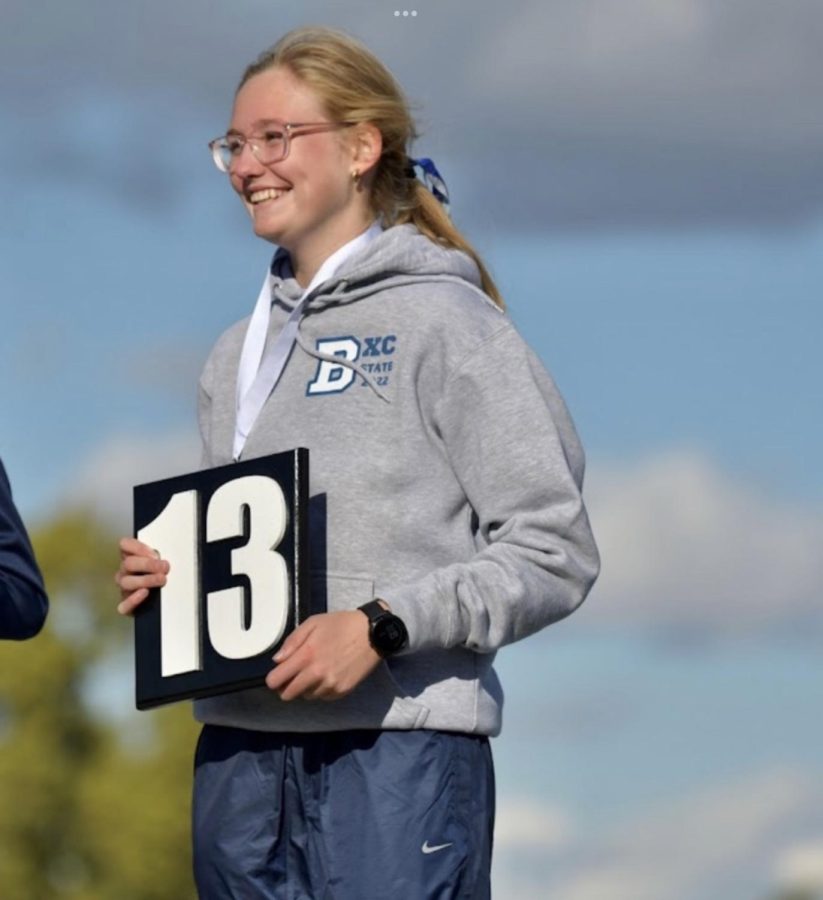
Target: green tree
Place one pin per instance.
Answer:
(94, 803)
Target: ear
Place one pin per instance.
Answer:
(367, 145)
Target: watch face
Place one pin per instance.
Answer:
(389, 634)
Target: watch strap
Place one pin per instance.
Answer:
(373, 610)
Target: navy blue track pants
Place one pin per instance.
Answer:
(350, 815)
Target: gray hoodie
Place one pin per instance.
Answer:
(445, 478)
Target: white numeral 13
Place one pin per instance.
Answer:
(174, 533)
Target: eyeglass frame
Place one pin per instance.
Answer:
(289, 131)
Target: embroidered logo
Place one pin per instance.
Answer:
(373, 355)
(332, 377)
(433, 848)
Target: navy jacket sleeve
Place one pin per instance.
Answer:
(23, 601)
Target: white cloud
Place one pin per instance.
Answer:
(524, 824)
(724, 835)
(650, 111)
(685, 544)
(527, 834)
(689, 62)
(105, 480)
(800, 867)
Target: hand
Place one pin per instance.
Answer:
(325, 658)
(141, 568)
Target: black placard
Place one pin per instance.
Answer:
(236, 538)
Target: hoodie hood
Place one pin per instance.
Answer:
(400, 255)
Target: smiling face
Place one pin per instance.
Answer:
(308, 203)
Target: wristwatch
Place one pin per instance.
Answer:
(387, 633)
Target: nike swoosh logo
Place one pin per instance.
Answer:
(433, 849)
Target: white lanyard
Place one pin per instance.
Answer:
(257, 375)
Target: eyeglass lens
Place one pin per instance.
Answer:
(269, 147)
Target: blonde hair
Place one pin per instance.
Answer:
(355, 86)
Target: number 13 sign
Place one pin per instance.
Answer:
(236, 541)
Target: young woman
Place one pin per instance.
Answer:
(446, 519)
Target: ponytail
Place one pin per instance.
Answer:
(430, 218)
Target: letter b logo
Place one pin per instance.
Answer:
(332, 377)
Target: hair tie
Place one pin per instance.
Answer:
(431, 178)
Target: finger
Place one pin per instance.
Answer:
(129, 604)
(295, 640)
(325, 692)
(130, 587)
(304, 684)
(130, 546)
(327, 688)
(130, 583)
(136, 565)
(282, 674)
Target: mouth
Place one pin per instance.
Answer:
(265, 195)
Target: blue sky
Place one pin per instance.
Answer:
(646, 183)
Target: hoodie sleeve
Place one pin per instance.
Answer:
(514, 449)
(23, 601)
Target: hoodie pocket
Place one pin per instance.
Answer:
(380, 691)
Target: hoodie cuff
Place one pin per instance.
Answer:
(429, 624)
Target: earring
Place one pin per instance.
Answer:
(355, 176)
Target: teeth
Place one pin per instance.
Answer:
(267, 194)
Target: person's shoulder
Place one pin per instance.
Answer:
(224, 355)
(232, 335)
(229, 341)
(439, 286)
(7, 507)
(460, 312)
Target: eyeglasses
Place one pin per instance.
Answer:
(270, 146)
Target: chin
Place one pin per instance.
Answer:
(265, 231)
